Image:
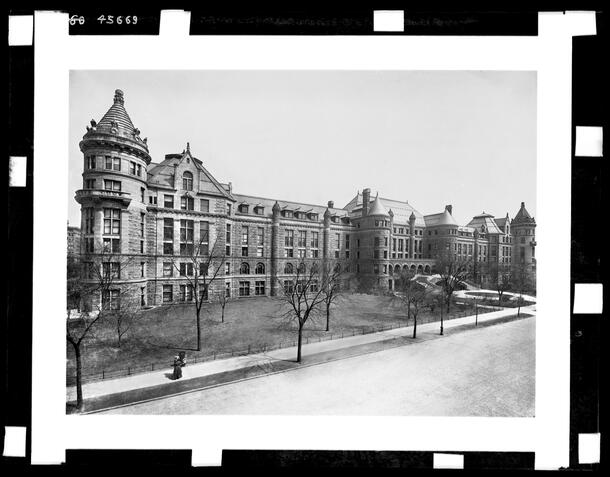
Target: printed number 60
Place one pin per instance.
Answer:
(75, 18)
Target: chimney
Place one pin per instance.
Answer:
(522, 205)
(331, 204)
(449, 208)
(366, 198)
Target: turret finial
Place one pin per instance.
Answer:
(118, 96)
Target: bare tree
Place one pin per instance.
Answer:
(222, 299)
(331, 287)
(413, 295)
(93, 291)
(303, 295)
(199, 265)
(521, 282)
(502, 278)
(453, 272)
(123, 319)
(404, 289)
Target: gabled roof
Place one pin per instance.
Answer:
(163, 174)
(442, 218)
(402, 210)
(485, 221)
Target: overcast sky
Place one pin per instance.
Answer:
(465, 138)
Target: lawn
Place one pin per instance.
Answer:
(158, 334)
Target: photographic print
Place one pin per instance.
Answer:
(339, 243)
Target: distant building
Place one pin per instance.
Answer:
(157, 213)
(74, 241)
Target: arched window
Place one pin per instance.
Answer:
(288, 268)
(314, 268)
(187, 180)
(260, 269)
(337, 268)
(302, 268)
(244, 269)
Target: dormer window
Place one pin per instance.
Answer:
(313, 216)
(187, 180)
(287, 213)
(244, 208)
(258, 210)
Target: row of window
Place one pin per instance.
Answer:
(185, 292)
(112, 163)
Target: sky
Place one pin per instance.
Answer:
(466, 138)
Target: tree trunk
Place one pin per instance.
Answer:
(415, 327)
(448, 304)
(299, 343)
(442, 320)
(222, 316)
(198, 330)
(79, 376)
(327, 317)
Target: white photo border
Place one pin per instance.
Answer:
(56, 53)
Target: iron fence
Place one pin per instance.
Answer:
(263, 348)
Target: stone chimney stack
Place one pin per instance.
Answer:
(449, 208)
(366, 198)
(331, 204)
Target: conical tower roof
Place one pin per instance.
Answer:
(118, 115)
(378, 208)
(523, 216)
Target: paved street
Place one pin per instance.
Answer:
(481, 372)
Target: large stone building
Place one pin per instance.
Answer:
(156, 213)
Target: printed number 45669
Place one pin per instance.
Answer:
(111, 19)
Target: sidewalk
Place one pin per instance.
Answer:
(129, 389)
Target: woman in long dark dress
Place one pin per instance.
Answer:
(177, 367)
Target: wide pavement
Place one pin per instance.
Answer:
(485, 371)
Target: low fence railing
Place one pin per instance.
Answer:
(258, 349)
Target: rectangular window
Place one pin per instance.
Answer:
(186, 237)
(168, 269)
(90, 162)
(244, 241)
(227, 268)
(112, 185)
(203, 293)
(111, 244)
(112, 221)
(132, 168)
(204, 205)
(313, 286)
(260, 241)
(346, 241)
(111, 270)
(139, 170)
(186, 269)
(228, 240)
(142, 269)
(152, 200)
(228, 208)
(89, 220)
(168, 236)
(288, 286)
(107, 162)
(302, 239)
(187, 203)
(228, 289)
(315, 240)
(289, 243)
(90, 183)
(244, 288)
(204, 238)
(168, 201)
(111, 299)
(315, 253)
(259, 288)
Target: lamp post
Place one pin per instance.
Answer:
(442, 306)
